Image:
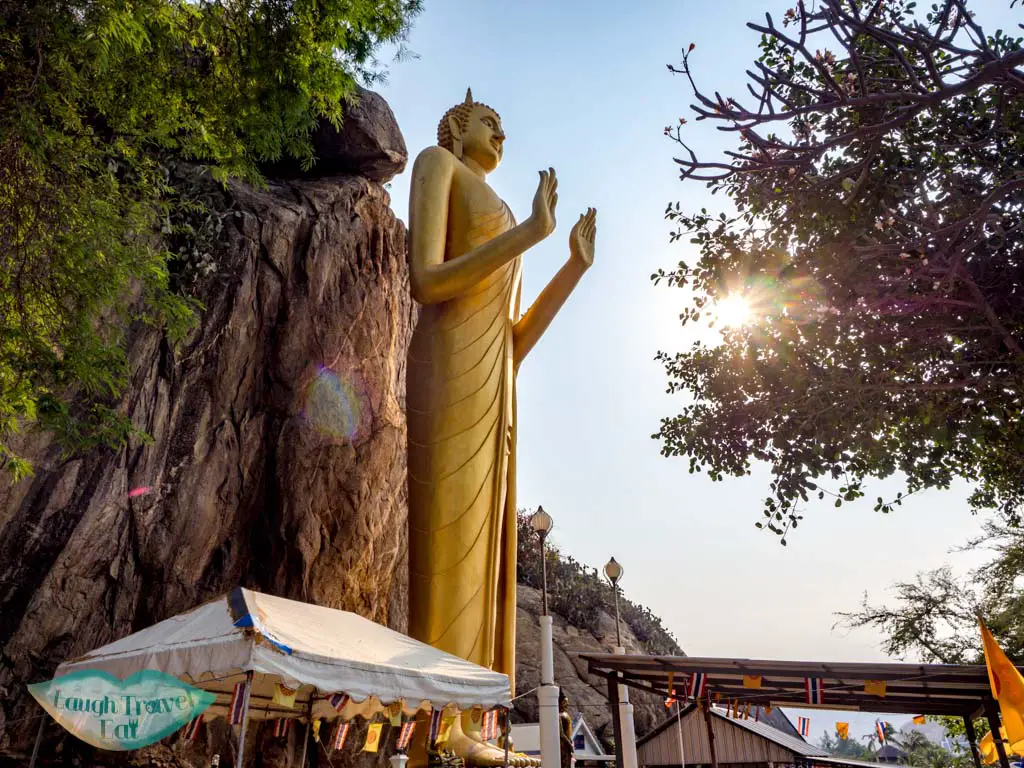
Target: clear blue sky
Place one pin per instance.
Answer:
(582, 85)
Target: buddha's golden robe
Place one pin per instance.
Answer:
(461, 420)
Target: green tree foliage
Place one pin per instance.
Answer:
(98, 99)
(579, 594)
(848, 748)
(934, 617)
(877, 235)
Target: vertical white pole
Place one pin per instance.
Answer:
(245, 719)
(629, 759)
(679, 733)
(547, 698)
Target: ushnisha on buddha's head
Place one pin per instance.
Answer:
(472, 132)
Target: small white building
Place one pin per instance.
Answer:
(587, 748)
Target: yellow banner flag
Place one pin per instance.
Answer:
(987, 747)
(395, 715)
(284, 696)
(919, 720)
(373, 737)
(874, 687)
(751, 681)
(843, 729)
(1007, 687)
(316, 730)
(445, 731)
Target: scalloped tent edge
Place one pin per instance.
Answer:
(315, 650)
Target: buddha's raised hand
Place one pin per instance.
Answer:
(544, 202)
(581, 239)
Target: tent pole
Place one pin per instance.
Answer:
(972, 739)
(309, 724)
(992, 711)
(508, 734)
(39, 740)
(245, 720)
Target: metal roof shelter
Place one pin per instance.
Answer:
(916, 689)
(739, 742)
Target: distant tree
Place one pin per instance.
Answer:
(98, 100)
(877, 237)
(849, 748)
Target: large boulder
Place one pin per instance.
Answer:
(369, 144)
(277, 452)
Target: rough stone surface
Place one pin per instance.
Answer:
(587, 693)
(257, 473)
(369, 144)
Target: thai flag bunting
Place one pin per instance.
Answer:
(815, 690)
(338, 701)
(435, 725)
(281, 727)
(405, 735)
(192, 729)
(803, 724)
(339, 736)
(880, 726)
(698, 680)
(238, 703)
(489, 728)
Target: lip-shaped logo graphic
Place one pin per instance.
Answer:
(120, 715)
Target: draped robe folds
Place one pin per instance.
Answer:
(461, 421)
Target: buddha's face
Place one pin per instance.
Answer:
(483, 138)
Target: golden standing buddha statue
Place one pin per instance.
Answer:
(465, 254)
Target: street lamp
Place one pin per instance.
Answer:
(625, 730)
(547, 693)
(613, 572)
(542, 523)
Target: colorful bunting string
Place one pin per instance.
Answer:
(815, 690)
(489, 729)
(340, 735)
(405, 735)
(803, 725)
(237, 703)
(192, 729)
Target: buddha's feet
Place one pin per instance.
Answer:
(475, 753)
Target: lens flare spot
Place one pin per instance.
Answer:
(334, 405)
(733, 311)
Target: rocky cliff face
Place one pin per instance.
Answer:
(586, 693)
(277, 457)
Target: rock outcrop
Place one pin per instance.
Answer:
(277, 452)
(586, 693)
(368, 144)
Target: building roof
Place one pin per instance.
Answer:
(921, 689)
(792, 743)
(526, 738)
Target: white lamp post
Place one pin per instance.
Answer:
(613, 571)
(547, 694)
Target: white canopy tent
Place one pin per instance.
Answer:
(318, 651)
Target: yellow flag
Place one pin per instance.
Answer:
(316, 730)
(1007, 687)
(445, 730)
(373, 737)
(919, 719)
(395, 715)
(284, 696)
(751, 681)
(874, 687)
(987, 747)
(843, 729)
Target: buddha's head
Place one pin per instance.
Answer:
(472, 130)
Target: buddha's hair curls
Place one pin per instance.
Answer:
(460, 112)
